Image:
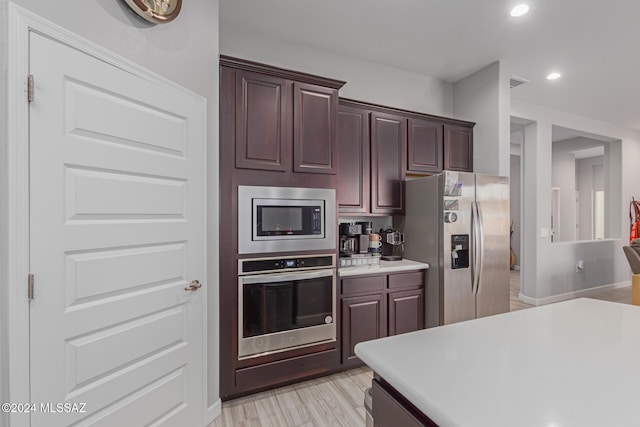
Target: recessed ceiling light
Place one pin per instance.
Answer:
(554, 76)
(519, 10)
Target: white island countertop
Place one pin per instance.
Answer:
(569, 364)
(383, 268)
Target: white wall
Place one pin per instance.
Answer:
(185, 51)
(563, 177)
(483, 97)
(589, 178)
(4, 368)
(514, 201)
(549, 269)
(366, 81)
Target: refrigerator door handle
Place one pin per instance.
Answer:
(474, 247)
(481, 244)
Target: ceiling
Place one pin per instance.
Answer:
(593, 43)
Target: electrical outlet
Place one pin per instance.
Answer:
(579, 265)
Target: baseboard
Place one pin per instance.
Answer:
(527, 300)
(214, 411)
(570, 295)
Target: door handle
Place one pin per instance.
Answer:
(193, 286)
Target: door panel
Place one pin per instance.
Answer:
(363, 319)
(263, 138)
(388, 162)
(492, 196)
(315, 110)
(117, 229)
(406, 311)
(424, 148)
(353, 159)
(458, 148)
(459, 300)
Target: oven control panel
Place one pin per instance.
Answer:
(253, 265)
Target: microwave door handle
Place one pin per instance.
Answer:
(287, 277)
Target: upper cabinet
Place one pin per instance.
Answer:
(424, 147)
(379, 146)
(262, 138)
(284, 120)
(458, 148)
(388, 145)
(314, 129)
(353, 154)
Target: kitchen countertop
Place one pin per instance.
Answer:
(383, 268)
(573, 363)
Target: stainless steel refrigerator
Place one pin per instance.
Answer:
(459, 223)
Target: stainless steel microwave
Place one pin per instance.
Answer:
(286, 219)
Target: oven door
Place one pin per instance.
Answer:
(280, 311)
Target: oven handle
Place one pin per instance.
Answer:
(287, 277)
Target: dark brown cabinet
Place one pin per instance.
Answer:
(424, 146)
(375, 306)
(388, 144)
(406, 311)
(363, 319)
(379, 146)
(458, 148)
(353, 154)
(277, 128)
(391, 409)
(262, 137)
(372, 160)
(284, 121)
(314, 129)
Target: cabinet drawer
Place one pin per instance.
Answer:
(285, 370)
(355, 285)
(404, 280)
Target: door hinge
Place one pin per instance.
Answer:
(30, 280)
(30, 88)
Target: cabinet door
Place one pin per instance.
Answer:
(353, 159)
(391, 409)
(458, 148)
(388, 162)
(263, 140)
(363, 318)
(424, 147)
(406, 311)
(314, 129)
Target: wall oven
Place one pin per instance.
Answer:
(285, 219)
(285, 303)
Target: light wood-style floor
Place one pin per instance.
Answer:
(336, 400)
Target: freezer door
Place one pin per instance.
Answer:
(492, 198)
(458, 300)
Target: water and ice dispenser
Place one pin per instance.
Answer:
(459, 251)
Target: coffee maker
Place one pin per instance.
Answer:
(392, 244)
(349, 238)
(354, 238)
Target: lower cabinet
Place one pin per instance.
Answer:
(406, 311)
(376, 306)
(363, 319)
(391, 409)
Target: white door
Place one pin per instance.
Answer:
(116, 235)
